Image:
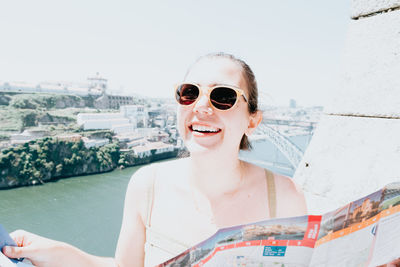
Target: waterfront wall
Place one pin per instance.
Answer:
(355, 149)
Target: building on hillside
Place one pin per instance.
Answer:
(95, 142)
(139, 142)
(28, 135)
(122, 128)
(112, 101)
(128, 140)
(155, 147)
(95, 86)
(292, 103)
(48, 87)
(102, 121)
(137, 114)
(69, 137)
(158, 136)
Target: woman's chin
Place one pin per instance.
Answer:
(202, 146)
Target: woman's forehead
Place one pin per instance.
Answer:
(213, 71)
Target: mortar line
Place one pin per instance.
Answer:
(376, 13)
(362, 116)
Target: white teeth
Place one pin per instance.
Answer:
(202, 128)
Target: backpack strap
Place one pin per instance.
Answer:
(271, 189)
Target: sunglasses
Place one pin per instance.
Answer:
(222, 97)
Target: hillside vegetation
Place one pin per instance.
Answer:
(21, 111)
(49, 158)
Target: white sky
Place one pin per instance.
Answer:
(294, 46)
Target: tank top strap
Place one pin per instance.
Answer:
(158, 246)
(271, 189)
(150, 197)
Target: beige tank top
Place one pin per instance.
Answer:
(160, 247)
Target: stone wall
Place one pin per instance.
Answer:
(356, 147)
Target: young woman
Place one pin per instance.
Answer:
(174, 205)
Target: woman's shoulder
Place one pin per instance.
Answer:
(166, 171)
(287, 184)
(282, 182)
(289, 195)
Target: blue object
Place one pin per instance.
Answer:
(278, 251)
(6, 240)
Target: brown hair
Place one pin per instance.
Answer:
(252, 89)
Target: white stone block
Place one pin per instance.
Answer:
(371, 85)
(348, 158)
(367, 7)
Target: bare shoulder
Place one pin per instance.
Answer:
(290, 197)
(287, 184)
(167, 172)
(160, 169)
(140, 179)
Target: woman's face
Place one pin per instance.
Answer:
(203, 127)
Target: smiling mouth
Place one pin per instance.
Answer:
(204, 129)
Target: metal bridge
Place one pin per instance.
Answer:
(290, 150)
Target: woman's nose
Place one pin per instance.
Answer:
(203, 105)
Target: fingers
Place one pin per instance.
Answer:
(15, 252)
(395, 263)
(23, 240)
(20, 237)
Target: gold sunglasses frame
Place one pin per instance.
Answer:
(239, 92)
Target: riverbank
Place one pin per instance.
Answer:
(49, 159)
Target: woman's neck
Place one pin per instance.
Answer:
(215, 176)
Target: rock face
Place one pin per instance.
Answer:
(4, 99)
(355, 149)
(48, 118)
(46, 101)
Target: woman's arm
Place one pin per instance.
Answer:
(46, 252)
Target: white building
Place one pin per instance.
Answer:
(160, 121)
(85, 117)
(137, 114)
(96, 85)
(95, 142)
(99, 121)
(27, 135)
(128, 137)
(47, 87)
(138, 142)
(122, 128)
(145, 150)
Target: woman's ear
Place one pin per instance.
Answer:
(255, 120)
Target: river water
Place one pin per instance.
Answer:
(86, 211)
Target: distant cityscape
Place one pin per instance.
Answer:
(139, 124)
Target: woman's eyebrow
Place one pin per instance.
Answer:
(223, 84)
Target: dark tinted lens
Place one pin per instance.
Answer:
(187, 94)
(223, 98)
